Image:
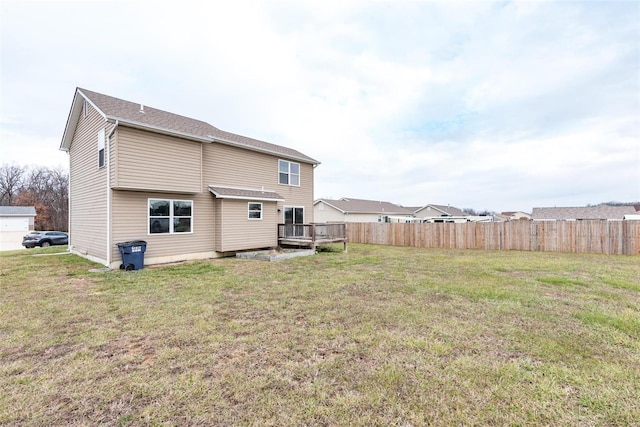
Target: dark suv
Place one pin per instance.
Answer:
(45, 239)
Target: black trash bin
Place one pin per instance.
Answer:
(132, 254)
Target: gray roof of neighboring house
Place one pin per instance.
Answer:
(588, 212)
(445, 209)
(141, 116)
(245, 194)
(17, 211)
(348, 205)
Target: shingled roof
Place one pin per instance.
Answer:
(576, 213)
(137, 115)
(17, 211)
(245, 194)
(365, 206)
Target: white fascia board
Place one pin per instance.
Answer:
(72, 120)
(104, 116)
(72, 123)
(261, 199)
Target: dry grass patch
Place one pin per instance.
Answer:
(377, 336)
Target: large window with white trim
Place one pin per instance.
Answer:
(255, 211)
(170, 216)
(288, 173)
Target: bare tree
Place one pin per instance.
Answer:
(47, 189)
(11, 183)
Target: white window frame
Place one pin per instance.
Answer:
(85, 109)
(288, 172)
(171, 217)
(249, 210)
(101, 152)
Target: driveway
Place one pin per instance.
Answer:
(11, 240)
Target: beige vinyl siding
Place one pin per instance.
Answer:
(325, 213)
(428, 212)
(235, 167)
(154, 162)
(219, 231)
(299, 196)
(240, 233)
(130, 222)
(88, 189)
(112, 147)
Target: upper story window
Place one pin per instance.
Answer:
(85, 109)
(288, 173)
(170, 216)
(101, 139)
(255, 210)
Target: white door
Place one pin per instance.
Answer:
(14, 224)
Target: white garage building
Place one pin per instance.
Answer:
(17, 218)
(15, 222)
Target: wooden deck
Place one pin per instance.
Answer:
(312, 235)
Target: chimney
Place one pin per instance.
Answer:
(142, 108)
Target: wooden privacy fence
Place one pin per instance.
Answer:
(601, 237)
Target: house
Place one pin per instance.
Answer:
(517, 215)
(187, 188)
(15, 222)
(435, 213)
(604, 212)
(359, 210)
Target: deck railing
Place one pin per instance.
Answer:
(312, 234)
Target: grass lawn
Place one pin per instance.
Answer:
(378, 336)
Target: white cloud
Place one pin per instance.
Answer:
(498, 105)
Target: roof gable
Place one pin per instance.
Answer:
(140, 116)
(446, 210)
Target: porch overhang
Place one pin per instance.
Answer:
(235, 193)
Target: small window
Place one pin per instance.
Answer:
(101, 138)
(255, 211)
(84, 109)
(288, 173)
(170, 216)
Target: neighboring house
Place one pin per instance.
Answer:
(432, 212)
(518, 215)
(582, 213)
(17, 218)
(189, 189)
(359, 210)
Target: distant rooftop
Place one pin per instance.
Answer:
(588, 212)
(350, 205)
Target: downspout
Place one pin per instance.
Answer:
(108, 160)
(70, 242)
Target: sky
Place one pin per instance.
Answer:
(490, 105)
